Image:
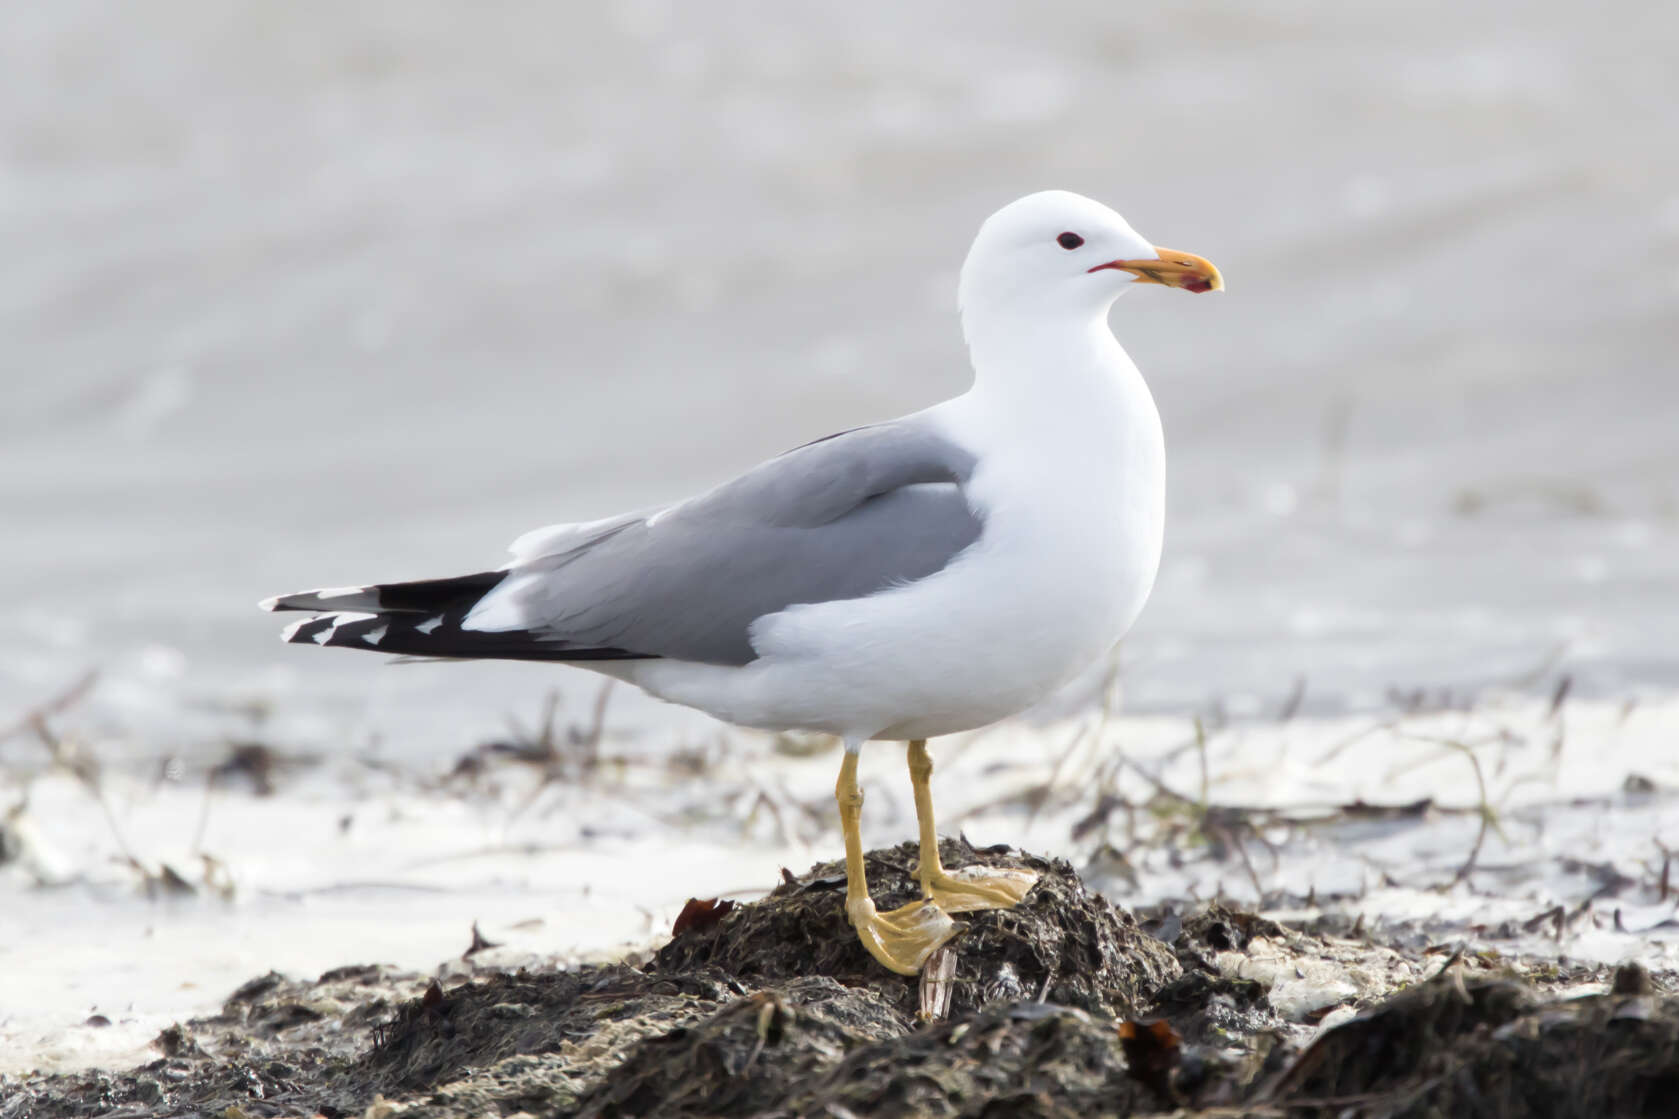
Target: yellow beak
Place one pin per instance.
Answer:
(1174, 269)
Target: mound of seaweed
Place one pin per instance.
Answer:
(1060, 945)
(1490, 1046)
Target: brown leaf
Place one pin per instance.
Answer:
(1152, 1050)
(700, 914)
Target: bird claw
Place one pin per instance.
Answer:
(902, 938)
(980, 887)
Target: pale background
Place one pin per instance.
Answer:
(308, 294)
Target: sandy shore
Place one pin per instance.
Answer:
(1062, 1007)
(1507, 824)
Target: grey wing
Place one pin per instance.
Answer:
(839, 518)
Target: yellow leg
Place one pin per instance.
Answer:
(904, 938)
(968, 889)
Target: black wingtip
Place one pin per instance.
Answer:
(403, 635)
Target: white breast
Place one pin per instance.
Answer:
(1074, 505)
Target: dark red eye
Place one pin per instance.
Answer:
(1069, 241)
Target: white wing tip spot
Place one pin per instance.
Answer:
(290, 632)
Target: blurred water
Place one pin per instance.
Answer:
(316, 293)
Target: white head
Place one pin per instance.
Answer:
(1059, 252)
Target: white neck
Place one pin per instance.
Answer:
(1036, 361)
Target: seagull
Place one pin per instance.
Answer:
(914, 578)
